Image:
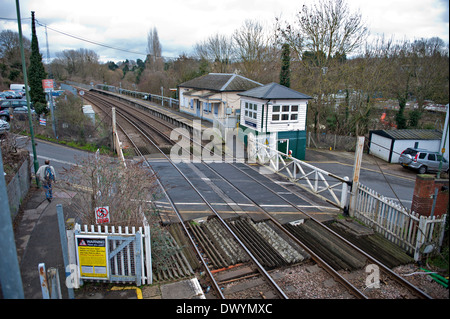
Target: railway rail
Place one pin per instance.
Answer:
(252, 255)
(157, 129)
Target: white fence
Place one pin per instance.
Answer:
(155, 98)
(317, 180)
(129, 252)
(414, 233)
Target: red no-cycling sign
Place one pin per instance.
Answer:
(102, 215)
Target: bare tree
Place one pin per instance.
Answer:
(322, 36)
(154, 49)
(9, 45)
(327, 27)
(104, 181)
(429, 58)
(81, 63)
(153, 45)
(251, 48)
(218, 50)
(10, 62)
(129, 192)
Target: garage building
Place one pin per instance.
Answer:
(389, 144)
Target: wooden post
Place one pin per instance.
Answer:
(113, 119)
(356, 170)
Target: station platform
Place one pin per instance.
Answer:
(171, 114)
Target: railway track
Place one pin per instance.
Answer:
(242, 261)
(343, 254)
(155, 128)
(252, 262)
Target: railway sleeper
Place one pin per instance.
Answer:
(213, 249)
(215, 243)
(221, 242)
(377, 246)
(318, 249)
(231, 248)
(208, 250)
(289, 254)
(267, 256)
(326, 253)
(188, 254)
(250, 246)
(265, 247)
(180, 261)
(352, 257)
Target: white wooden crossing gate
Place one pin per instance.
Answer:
(124, 257)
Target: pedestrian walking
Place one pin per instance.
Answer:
(46, 175)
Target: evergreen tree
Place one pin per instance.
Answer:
(285, 73)
(36, 72)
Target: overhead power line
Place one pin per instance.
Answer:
(87, 40)
(90, 41)
(14, 19)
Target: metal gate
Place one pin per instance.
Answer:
(128, 253)
(125, 258)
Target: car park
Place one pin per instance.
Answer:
(423, 160)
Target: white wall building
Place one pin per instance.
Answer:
(213, 95)
(389, 144)
(279, 112)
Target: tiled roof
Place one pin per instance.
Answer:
(410, 134)
(221, 82)
(275, 91)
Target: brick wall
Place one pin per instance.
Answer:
(423, 195)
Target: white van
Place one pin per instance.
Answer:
(17, 87)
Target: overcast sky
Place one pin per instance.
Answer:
(183, 23)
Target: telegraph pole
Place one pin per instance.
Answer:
(27, 93)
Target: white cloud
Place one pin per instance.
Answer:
(183, 23)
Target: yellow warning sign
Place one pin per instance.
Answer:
(92, 253)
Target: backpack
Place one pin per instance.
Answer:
(48, 175)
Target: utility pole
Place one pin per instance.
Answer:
(438, 175)
(27, 93)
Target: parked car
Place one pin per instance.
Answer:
(2, 96)
(422, 160)
(4, 126)
(20, 112)
(13, 103)
(9, 94)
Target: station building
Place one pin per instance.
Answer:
(277, 114)
(214, 95)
